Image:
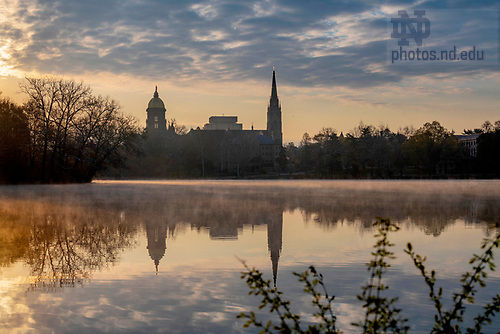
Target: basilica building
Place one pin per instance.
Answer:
(156, 123)
(223, 141)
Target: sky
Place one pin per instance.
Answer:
(333, 59)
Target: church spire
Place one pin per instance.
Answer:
(274, 124)
(274, 90)
(156, 92)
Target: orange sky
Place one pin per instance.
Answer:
(216, 57)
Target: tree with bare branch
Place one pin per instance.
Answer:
(74, 134)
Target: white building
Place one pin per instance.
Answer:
(470, 142)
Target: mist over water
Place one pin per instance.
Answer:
(160, 256)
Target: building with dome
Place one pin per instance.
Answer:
(223, 143)
(156, 122)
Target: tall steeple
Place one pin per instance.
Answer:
(274, 90)
(274, 124)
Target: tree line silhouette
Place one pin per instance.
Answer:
(64, 133)
(365, 152)
(371, 152)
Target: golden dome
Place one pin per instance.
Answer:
(156, 102)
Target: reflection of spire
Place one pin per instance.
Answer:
(274, 241)
(157, 244)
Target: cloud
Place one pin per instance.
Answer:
(312, 44)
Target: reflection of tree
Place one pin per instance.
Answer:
(64, 256)
(224, 208)
(13, 239)
(62, 245)
(430, 212)
(55, 259)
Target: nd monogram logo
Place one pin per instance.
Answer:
(417, 33)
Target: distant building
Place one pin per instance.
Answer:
(255, 148)
(274, 123)
(223, 123)
(156, 123)
(469, 142)
(223, 140)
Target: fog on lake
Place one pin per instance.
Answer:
(162, 256)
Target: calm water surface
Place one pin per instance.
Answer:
(146, 257)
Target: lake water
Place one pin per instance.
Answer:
(162, 257)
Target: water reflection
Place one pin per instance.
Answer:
(222, 226)
(156, 232)
(62, 243)
(65, 235)
(65, 232)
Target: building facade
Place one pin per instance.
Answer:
(469, 142)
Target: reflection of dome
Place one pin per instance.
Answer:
(156, 102)
(157, 243)
(156, 254)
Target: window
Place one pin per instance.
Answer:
(156, 118)
(156, 125)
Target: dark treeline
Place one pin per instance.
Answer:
(63, 133)
(365, 152)
(196, 153)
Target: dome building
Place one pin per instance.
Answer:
(223, 142)
(156, 123)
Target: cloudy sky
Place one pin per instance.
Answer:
(216, 57)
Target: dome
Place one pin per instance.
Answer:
(156, 102)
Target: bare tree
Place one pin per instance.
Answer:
(74, 133)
